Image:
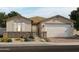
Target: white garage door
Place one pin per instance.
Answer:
(61, 30)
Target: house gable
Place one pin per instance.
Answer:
(12, 24)
(58, 19)
(18, 18)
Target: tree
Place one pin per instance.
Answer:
(4, 16)
(75, 16)
(2, 21)
(13, 13)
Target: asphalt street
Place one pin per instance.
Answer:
(66, 48)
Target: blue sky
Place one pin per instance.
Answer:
(40, 11)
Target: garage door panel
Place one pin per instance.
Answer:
(58, 30)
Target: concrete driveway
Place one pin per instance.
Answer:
(62, 40)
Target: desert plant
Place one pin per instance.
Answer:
(1, 36)
(0, 39)
(25, 39)
(31, 37)
(5, 37)
(9, 40)
(21, 37)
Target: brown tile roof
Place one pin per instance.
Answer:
(37, 19)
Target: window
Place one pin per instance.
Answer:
(17, 27)
(23, 27)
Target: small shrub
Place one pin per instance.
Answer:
(5, 37)
(17, 39)
(32, 37)
(1, 36)
(25, 39)
(1, 39)
(21, 37)
(9, 40)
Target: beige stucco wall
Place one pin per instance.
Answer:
(54, 21)
(34, 28)
(10, 24)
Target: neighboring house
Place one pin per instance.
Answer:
(18, 26)
(57, 26)
(2, 30)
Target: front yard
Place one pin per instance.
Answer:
(35, 39)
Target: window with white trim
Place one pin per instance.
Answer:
(17, 27)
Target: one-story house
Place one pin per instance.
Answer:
(57, 26)
(18, 26)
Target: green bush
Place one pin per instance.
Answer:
(0, 39)
(31, 37)
(9, 40)
(1, 36)
(25, 39)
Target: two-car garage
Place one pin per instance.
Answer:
(57, 26)
(59, 30)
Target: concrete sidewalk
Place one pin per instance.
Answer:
(36, 44)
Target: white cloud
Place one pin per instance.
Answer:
(42, 11)
(50, 11)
